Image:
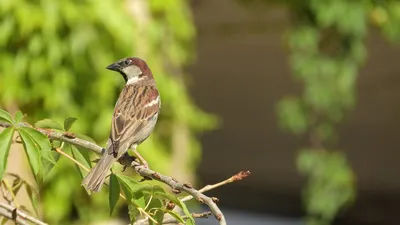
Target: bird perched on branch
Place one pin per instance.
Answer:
(135, 115)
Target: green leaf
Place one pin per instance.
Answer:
(5, 143)
(127, 191)
(5, 116)
(133, 213)
(43, 142)
(154, 205)
(49, 124)
(159, 216)
(68, 122)
(32, 150)
(187, 213)
(33, 196)
(170, 197)
(16, 185)
(81, 156)
(175, 215)
(128, 184)
(141, 189)
(18, 117)
(113, 193)
(3, 220)
(189, 222)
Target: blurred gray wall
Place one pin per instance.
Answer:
(242, 72)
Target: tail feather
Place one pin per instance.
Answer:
(95, 178)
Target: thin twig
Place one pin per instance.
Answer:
(178, 187)
(143, 171)
(14, 198)
(59, 151)
(21, 216)
(239, 176)
(7, 214)
(172, 220)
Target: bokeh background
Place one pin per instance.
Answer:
(303, 93)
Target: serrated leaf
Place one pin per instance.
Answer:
(139, 191)
(49, 123)
(113, 193)
(127, 191)
(128, 185)
(18, 117)
(5, 116)
(32, 150)
(42, 141)
(68, 122)
(5, 143)
(81, 156)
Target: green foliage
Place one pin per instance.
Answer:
(152, 199)
(330, 184)
(142, 198)
(5, 143)
(113, 195)
(327, 49)
(52, 64)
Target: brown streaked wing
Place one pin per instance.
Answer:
(130, 115)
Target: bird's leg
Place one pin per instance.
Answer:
(126, 160)
(141, 159)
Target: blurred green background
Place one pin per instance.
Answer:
(282, 77)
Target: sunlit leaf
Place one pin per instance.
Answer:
(32, 150)
(49, 123)
(18, 117)
(5, 143)
(42, 141)
(128, 182)
(68, 122)
(113, 193)
(82, 156)
(5, 116)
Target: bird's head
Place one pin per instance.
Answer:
(132, 69)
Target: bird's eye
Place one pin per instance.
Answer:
(128, 62)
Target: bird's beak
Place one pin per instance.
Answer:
(114, 67)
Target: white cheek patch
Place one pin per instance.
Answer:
(133, 80)
(153, 102)
(132, 72)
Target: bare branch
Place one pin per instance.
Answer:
(173, 220)
(239, 176)
(176, 186)
(18, 215)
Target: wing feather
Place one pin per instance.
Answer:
(136, 107)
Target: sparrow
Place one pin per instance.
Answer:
(135, 116)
